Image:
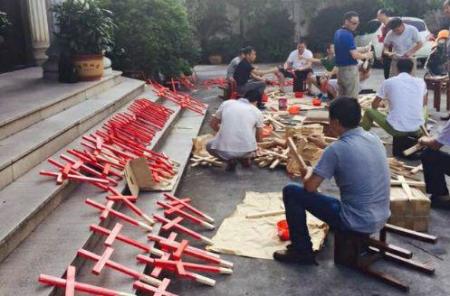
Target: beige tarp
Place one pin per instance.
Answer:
(258, 237)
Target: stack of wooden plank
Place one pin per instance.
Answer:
(410, 208)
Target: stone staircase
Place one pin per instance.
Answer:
(43, 224)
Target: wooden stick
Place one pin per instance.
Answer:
(265, 214)
(297, 156)
(413, 149)
(406, 187)
(410, 183)
(417, 169)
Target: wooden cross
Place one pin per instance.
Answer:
(175, 223)
(70, 285)
(107, 210)
(178, 209)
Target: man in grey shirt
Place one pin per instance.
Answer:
(234, 63)
(405, 42)
(358, 162)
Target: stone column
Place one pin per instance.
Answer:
(51, 65)
(40, 37)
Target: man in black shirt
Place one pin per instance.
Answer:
(248, 77)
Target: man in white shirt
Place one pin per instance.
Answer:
(239, 125)
(299, 62)
(436, 164)
(407, 97)
(404, 40)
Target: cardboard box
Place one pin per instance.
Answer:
(412, 213)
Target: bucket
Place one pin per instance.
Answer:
(294, 110)
(283, 230)
(317, 102)
(299, 94)
(282, 104)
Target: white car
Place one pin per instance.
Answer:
(372, 33)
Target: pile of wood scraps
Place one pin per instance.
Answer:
(200, 156)
(399, 168)
(276, 154)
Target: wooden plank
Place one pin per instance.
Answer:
(410, 234)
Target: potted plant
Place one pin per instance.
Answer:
(85, 32)
(4, 25)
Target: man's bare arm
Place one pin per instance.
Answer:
(215, 123)
(259, 134)
(312, 183)
(376, 103)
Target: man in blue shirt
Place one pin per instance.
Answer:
(347, 55)
(436, 164)
(358, 162)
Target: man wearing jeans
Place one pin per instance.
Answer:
(347, 55)
(407, 97)
(436, 164)
(357, 161)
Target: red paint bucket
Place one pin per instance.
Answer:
(282, 104)
(283, 230)
(299, 94)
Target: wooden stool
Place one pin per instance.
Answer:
(436, 84)
(230, 90)
(360, 251)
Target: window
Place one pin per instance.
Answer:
(420, 25)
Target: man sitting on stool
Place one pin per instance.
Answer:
(407, 98)
(238, 124)
(357, 161)
(299, 63)
(436, 164)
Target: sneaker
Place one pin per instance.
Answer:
(293, 256)
(440, 201)
(231, 165)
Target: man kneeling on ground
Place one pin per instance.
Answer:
(239, 126)
(357, 161)
(407, 97)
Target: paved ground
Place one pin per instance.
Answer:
(218, 193)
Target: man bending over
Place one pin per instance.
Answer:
(238, 124)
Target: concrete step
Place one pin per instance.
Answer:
(26, 98)
(53, 244)
(22, 151)
(28, 200)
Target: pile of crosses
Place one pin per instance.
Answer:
(185, 101)
(101, 163)
(161, 253)
(107, 151)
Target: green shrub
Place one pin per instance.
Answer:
(152, 36)
(272, 35)
(84, 27)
